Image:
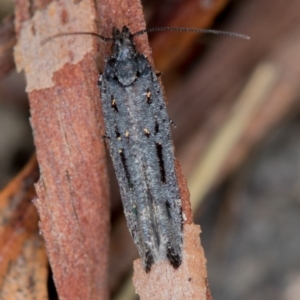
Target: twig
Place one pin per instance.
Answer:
(117, 13)
(73, 200)
(23, 267)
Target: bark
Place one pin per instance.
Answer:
(73, 200)
(23, 268)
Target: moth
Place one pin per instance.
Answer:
(140, 145)
(138, 134)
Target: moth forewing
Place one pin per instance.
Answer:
(139, 138)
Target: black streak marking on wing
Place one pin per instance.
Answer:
(124, 162)
(118, 134)
(159, 150)
(149, 260)
(156, 128)
(174, 258)
(181, 219)
(168, 207)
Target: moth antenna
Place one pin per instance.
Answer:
(103, 38)
(199, 30)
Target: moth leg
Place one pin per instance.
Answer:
(105, 137)
(172, 123)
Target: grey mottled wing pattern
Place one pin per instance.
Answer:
(138, 131)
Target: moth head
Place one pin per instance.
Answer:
(123, 44)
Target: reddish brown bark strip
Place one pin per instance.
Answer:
(23, 268)
(185, 195)
(116, 13)
(191, 13)
(72, 201)
(120, 13)
(27, 276)
(187, 282)
(18, 216)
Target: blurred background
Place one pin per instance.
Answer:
(236, 106)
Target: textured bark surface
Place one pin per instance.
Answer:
(187, 282)
(23, 268)
(73, 200)
(134, 19)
